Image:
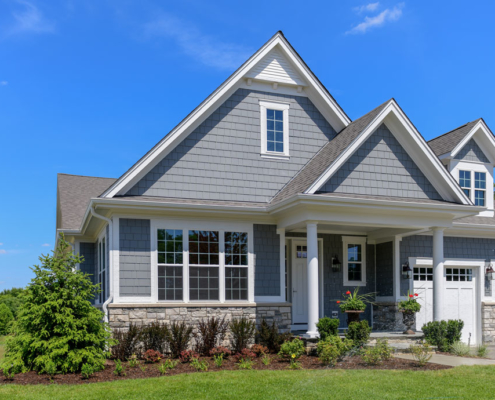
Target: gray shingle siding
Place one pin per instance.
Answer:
(472, 152)
(454, 247)
(220, 160)
(88, 251)
(267, 265)
(385, 269)
(135, 257)
(381, 166)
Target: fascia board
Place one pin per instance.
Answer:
(488, 141)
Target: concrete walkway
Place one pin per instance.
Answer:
(452, 361)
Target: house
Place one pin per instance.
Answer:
(267, 201)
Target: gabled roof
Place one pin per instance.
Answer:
(327, 155)
(74, 193)
(315, 90)
(448, 141)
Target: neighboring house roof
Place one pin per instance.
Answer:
(327, 155)
(448, 141)
(74, 193)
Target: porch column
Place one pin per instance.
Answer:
(313, 312)
(281, 233)
(438, 305)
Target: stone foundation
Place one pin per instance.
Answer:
(386, 317)
(488, 323)
(122, 315)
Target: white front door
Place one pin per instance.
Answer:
(459, 297)
(299, 282)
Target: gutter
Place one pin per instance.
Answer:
(110, 261)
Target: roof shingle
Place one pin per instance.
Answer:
(448, 141)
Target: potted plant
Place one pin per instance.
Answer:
(409, 308)
(354, 304)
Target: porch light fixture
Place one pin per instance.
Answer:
(490, 273)
(336, 264)
(406, 271)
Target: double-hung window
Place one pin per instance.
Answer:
(204, 265)
(465, 182)
(170, 264)
(354, 261)
(236, 266)
(274, 129)
(479, 188)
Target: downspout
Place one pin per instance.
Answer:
(110, 241)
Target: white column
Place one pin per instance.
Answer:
(281, 233)
(438, 305)
(313, 312)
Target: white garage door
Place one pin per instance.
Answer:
(459, 297)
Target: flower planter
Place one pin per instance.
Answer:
(353, 316)
(408, 319)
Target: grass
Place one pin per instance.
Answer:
(459, 383)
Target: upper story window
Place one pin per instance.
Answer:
(354, 261)
(480, 188)
(465, 182)
(274, 129)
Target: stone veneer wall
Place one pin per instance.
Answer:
(120, 317)
(386, 317)
(488, 323)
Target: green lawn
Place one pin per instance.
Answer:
(458, 383)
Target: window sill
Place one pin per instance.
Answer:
(354, 283)
(275, 156)
(194, 304)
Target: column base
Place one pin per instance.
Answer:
(310, 335)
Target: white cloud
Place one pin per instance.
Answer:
(45, 245)
(204, 48)
(367, 8)
(29, 19)
(3, 83)
(2, 251)
(387, 15)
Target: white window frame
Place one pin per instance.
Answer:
(475, 189)
(102, 256)
(346, 240)
(471, 178)
(186, 226)
(279, 106)
(165, 264)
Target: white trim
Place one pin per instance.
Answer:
(279, 106)
(354, 240)
(441, 179)
(281, 233)
(322, 100)
(486, 139)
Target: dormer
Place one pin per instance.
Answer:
(468, 152)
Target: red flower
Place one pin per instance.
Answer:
(338, 301)
(411, 295)
(416, 294)
(348, 292)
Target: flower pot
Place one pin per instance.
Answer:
(353, 316)
(408, 319)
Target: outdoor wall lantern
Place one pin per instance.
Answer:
(336, 264)
(406, 271)
(490, 273)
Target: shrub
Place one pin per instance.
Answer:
(178, 336)
(57, 321)
(443, 334)
(259, 349)
(243, 355)
(211, 333)
(269, 336)
(167, 366)
(188, 355)
(8, 373)
(482, 351)
(154, 336)
(245, 364)
(13, 299)
(128, 342)
(460, 349)
(50, 368)
(358, 332)
(421, 352)
(218, 360)
(133, 361)
(152, 356)
(119, 368)
(328, 327)
(372, 356)
(199, 365)
(332, 349)
(87, 371)
(265, 360)
(292, 350)
(410, 305)
(6, 318)
(242, 331)
(220, 351)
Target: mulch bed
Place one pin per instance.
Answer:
(151, 371)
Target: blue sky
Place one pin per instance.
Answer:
(87, 87)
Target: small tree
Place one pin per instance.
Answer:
(57, 323)
(6, 318)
